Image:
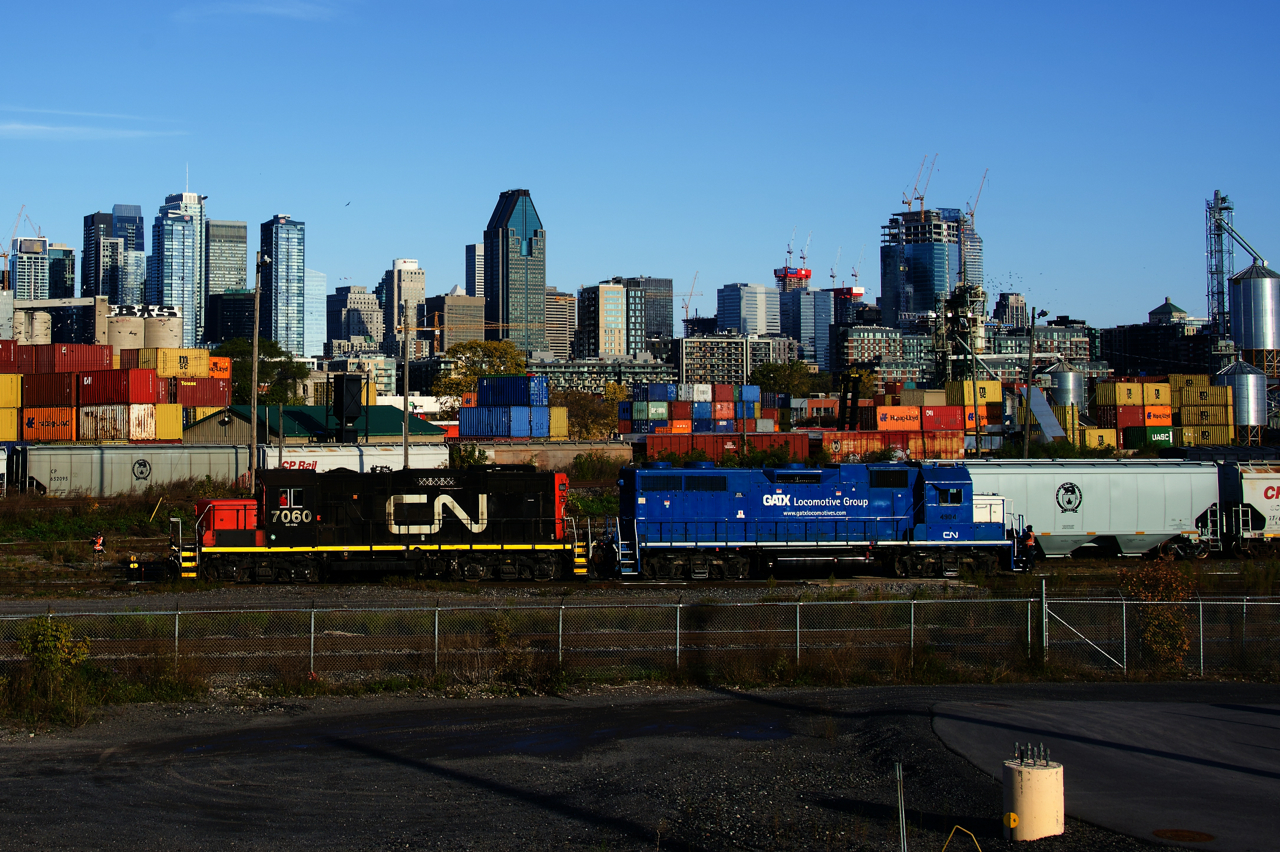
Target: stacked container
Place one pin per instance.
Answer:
(10, 404)
(1135, 407)
(511, 407)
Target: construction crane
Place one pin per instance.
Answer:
(928, 179)
(910, 199)
(34, 227)
(688, 300)
(973, 210)
(4, 249)
(804, 253)
(859, 264)
(837, 266)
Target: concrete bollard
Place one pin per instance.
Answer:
(1034, 804)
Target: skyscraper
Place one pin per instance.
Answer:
(353, 312)
(62, 272)
(658, 310)
(191, 204)
(475, 270)
(133, 278)
(127, 224)
(1011, 309)
(602, 329)
(515, 272)
(562, 323)
(96, 226)
(920, 260)
(29, 268)
(110, 271)
(748, 309)
(226, 256)
(229, 315)
(282, 305)
(806, 318)
(403, 283)
(451, 319)
(317, 286)
(173, 270)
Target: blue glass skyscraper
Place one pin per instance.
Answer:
(282, 307)
(806, 318)
(515, 273)
(317, 286)
(173, 269)
(920, 260)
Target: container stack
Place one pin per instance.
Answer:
(1139, 412)
(512, 407)
(686, 409)
(78, 392)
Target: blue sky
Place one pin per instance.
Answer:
(663, 139)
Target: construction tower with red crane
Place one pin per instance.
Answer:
(790, 277)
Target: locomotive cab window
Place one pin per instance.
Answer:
(950, 497)
(290, 498)
(888, 479)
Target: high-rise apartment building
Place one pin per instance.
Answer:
(192, 204)
(173, 269)
(62, 272)
(806, 317)
(403, 287)
(921, 260)
(1011, 310)
(475, 270)
(133, 278)
(229, 315)
(282, 306)
(562, 323)
(317, 287)
(450, 319)
(226, 256)
(602, 322)
(729, 358)
(515, 273)
(29, 268)
(127, 224)
(353, 313)
(110, 272)
(748, 309)
(658, 303)
(96, 226)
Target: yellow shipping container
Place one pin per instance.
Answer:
(9, 423)
(10, 390)
(180, 363)
(1210, 395)
(1095, 438)
(1188, 380)
(559, 422)
(962, 393)
(168, 422)
(1119, 393)
(1202, 436)
(1206, 415)
(115, 361)
(1156, 393)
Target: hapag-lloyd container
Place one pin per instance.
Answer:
(71, 357)
(49, 424)
(118, 422)
(121, 387)
(49, 390)
(897, 418)
(193, 392)
(219, 367)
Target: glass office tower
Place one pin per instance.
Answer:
(515, 273)
(317, 287)
(173, 269)
(920, 260)
(282, 306)
(806, 318)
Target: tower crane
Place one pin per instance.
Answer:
(910, 199)
(688, 300)
(34, 226)
(4, 249)
(928, 179)
(837, 266)
(859, 264)
(804, 253)
(973, 211)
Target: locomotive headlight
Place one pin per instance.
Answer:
(273, 536)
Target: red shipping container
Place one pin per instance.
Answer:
(1129, 415)
(722, 393)
(71, 357)
(624, 427)
(8, 355)
(49, 424)
(122, 387)
(680, 410)
(722, 410)
(190, 393)
(129, 359)
(748, 425)
(1105, 415)
(24, 360)
(49, 390)
(769, 413)
(717, 445)
(942, 418)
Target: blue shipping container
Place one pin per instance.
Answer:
(624, 411)
(519, 421)
(704, 425)
(512, 390)
(484, 422)
(784, 401)
(539, 422)
(725, 426)
(659, 423)
(702, 411)
(750, 393)
(639, 393)
(641, 427)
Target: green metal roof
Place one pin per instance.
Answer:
(302, 421)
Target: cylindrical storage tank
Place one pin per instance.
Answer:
(41, 328)
(1254, 299)
(162, 332)
(22, 327)
(1066, 385)
(1034, 801)
(126, 332)
(1249, 392)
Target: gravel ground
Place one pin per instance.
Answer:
(628, 768)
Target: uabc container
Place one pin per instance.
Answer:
(49, 424)
(116, 387)
(49, 390)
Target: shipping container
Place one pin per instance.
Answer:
(765, 424)
(121, 387)
(702, 392)
(1119, 393)
(468, 400)
(1156, 393)
(219, 367)
(521, 421)
(49, 390)
(71, 357)
(949, 418)
(1204, 415)
(639, 411)
(128, 359)
(1213, 436)
(559, 422)
(625, 407)
(1215, 395)
(703, 411)
(192, 416)
(918, 397)
(725, 426)
(1185, 436)
(1181, 381)
(747, 425)
(9, 425)
(680, 427)
(1138, 437)
(680, 410)
(512, 390)
(1096, 438)
(717, 446)
(48, 424)
(168, 420)
(485, 421)
(1131, 415)
(704, 425)
(118, 423)
(750, 393)
(192, 392)
(898, 418)
(10, 390)
(639, 393)
(722, 393)
(1156, 415)
(658, 410)
(539, 421)
(662, 392)
(722, 410)
(624, 427)
(963, 393)
(171, 363)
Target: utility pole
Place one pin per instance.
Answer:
(1031, 354)
(404, 321)
(253, 382)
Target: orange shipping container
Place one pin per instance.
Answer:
(469, 400)
(849, 446)
(1159, 415)
(48, 424)
(722, 411)
(681, 427)
(219, 367)
(898, 418)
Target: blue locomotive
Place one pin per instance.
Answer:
(703, 522)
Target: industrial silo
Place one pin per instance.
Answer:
(41, 328)
(1066, 384)
(125, 333)
(1249, 399)
(1255, 308)
(163, 332)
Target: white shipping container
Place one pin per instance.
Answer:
(702, 393)
(106, 423)
(684, 393)
(360, 458)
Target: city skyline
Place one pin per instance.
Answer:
(1069, 131)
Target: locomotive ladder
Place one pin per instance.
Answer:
(627, 562)
(580, 548)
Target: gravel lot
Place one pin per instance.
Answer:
(629, 768)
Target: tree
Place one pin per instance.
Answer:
(591, 418)
(793, 378)
(276, 368)
(475, 358)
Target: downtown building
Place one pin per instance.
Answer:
(317, 287)
(611, 322)
(450, 319)
(282, 305)
(806, 317)
(730, 358)
(562, 323)
(658, 303)
(400, 293)
(62, 271)
(748, 309)
(29, 268)
(515, 273)
(923, 256)
(353, 321)
(473, 270)
(173, 270)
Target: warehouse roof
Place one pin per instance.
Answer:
(301, 421)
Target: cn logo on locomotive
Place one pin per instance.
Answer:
(777, 499)
(441, 500)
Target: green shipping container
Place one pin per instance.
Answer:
(1137, 437)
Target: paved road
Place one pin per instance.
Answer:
(1140, 768)
(632, 768)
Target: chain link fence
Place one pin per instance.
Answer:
(844, 638)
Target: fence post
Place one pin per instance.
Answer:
(678, 636)
(313, 642)
(560, 636)
(435, 639)
(1124, 634)
(1244, 632)
(1044, 620)
(175, 640)
(913, 633)
(797, 633)
(1201, 602)
(1028, 630)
